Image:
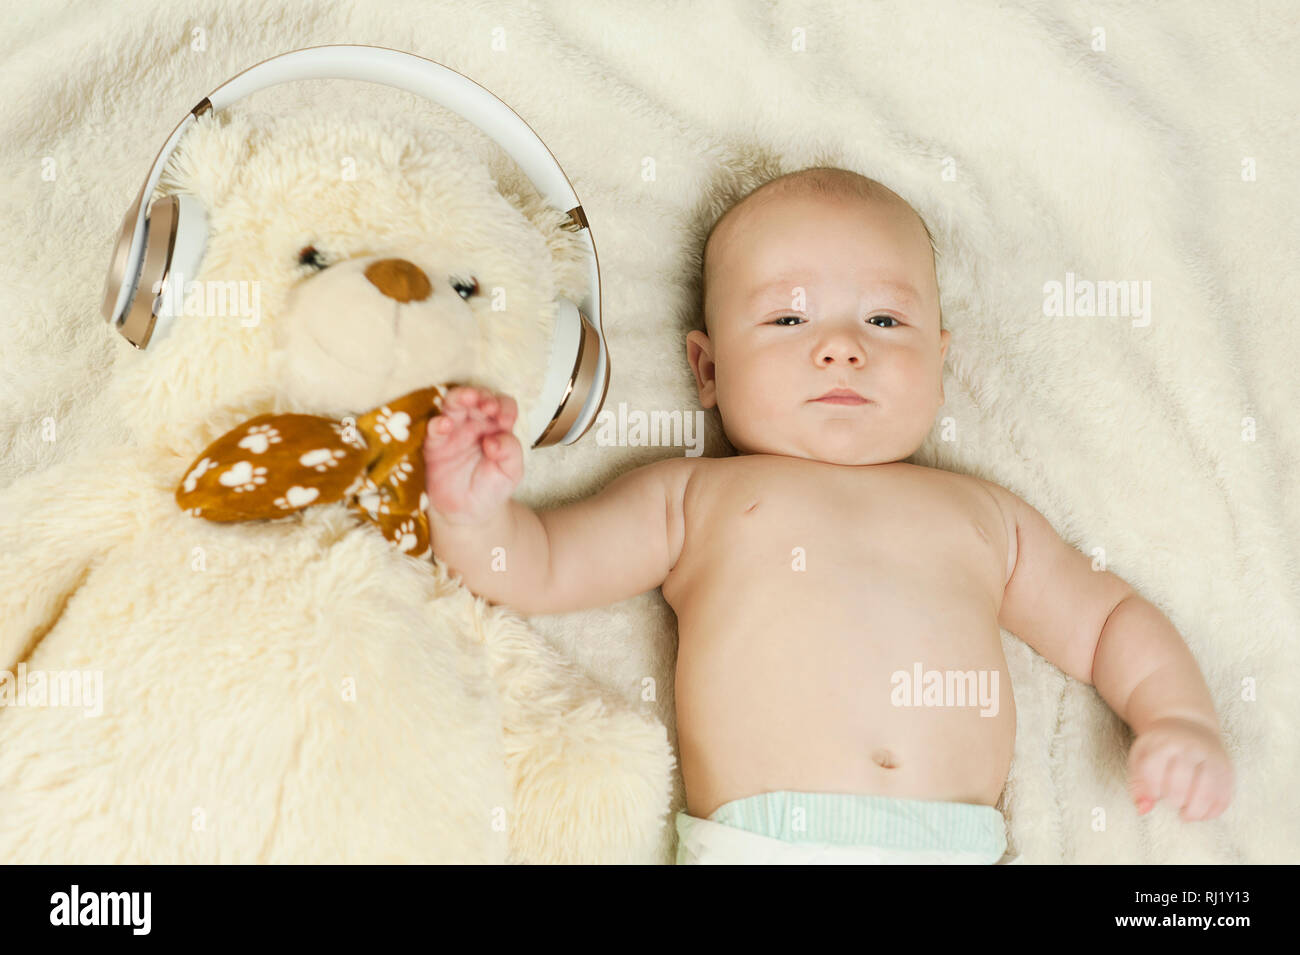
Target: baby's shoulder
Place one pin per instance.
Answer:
(687, 478)
(672, 475)
(1002, 506)
(969, 483)
(976, 492)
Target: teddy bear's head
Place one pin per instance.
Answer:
(347, 263)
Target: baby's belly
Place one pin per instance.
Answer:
(894, 687)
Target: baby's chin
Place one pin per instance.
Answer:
(849, 458)
(847, 450)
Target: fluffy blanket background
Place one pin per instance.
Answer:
(1110, 142)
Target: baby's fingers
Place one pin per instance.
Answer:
(461, 395)
(509, 410)
(447, 435)
(1147, 769)
(1178, 785)
(1201, 795)
(505, 451)
(498, 446)
(1213, 791)
(498, 410)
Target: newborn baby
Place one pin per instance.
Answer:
(842, 695)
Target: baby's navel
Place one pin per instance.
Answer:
(751, 507)
(885, 758)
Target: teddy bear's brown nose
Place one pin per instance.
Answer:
(399, 280)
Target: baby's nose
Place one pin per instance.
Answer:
(841, 350)
(840, 347)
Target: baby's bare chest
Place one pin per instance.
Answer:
(771, 535)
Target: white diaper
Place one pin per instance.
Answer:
(793, 828)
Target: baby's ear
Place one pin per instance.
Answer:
(699, 353)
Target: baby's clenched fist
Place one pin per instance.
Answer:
(472, 459)
(1182, 762)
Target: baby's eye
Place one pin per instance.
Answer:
(890, 317)
(465, 287)
(781, 320)
(308, 256)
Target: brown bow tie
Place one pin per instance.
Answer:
(275, 464)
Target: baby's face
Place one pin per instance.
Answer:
(810, 293)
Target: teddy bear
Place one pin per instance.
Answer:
(304, 688)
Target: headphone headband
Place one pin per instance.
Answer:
(441, 85)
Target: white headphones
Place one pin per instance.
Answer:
(170, 240)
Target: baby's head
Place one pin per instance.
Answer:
(817, 280)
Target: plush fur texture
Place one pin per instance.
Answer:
(298, 690)
(1031, 153)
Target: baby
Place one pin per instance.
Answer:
(842, 694)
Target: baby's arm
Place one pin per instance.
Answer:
(616, 544)
(1096, 628)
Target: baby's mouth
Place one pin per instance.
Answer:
(841, 396)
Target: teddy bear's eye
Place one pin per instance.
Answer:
(465, 287)
(308, 255)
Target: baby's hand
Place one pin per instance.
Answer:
(472, 460)
(1184, 762)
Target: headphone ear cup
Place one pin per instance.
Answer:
(576, 373)
(187, 249)
(544, 424)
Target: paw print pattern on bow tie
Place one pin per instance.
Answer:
(276, 464)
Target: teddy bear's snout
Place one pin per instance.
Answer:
(399, 279)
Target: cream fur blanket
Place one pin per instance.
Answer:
(1054, 143)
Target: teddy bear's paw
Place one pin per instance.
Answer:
(322, 459)
(243, 476)
(392, 426)
(259, 438)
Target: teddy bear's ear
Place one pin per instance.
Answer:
(209, 157)
(568, 258)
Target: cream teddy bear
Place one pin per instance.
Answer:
(299, 689)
